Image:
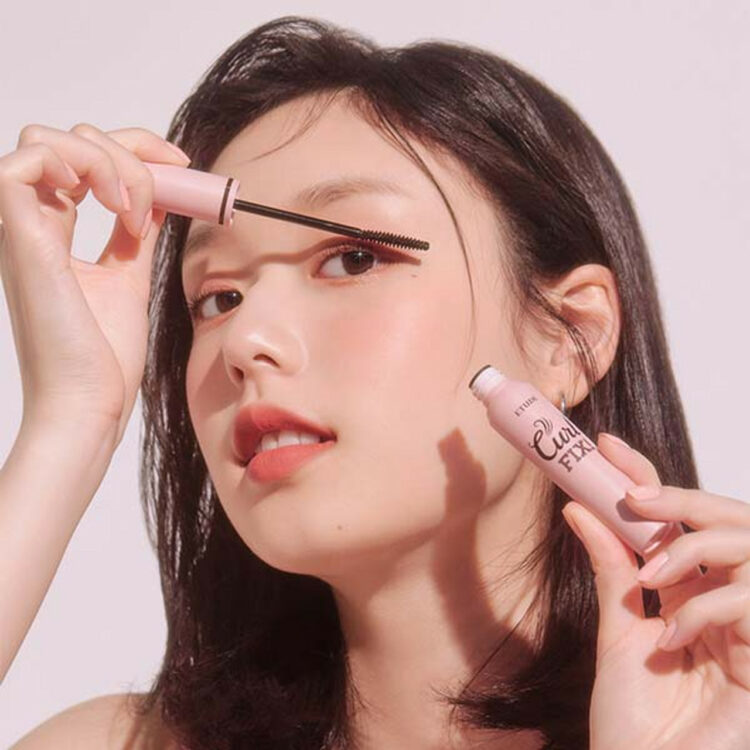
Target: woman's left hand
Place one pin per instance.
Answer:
(694, 692)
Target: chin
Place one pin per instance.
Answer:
(334, 552)
(328, 532)
(321, 560)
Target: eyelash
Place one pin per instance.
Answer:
(383, 255)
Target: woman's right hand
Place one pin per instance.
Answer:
(80, 328)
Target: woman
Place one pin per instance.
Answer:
(413, 585)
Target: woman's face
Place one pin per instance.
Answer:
(382, 357)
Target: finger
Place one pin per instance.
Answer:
(138, 139)
(635, 465)
(716, 548)
(695, 507)
(615, 567)
(628, 460)
(146, 146)
(89, 161)
(130, 148)
(130, 172)
(674, 596)
(723, 606)
(133, 256)
(20, 173)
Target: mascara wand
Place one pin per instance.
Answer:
(331, 226)
(213, 198)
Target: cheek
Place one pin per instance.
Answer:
(399, 336)
(393, 362)
(205, 407)
(193, 377)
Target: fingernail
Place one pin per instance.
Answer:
(124, 194)
(652, 567)
(577, 531)
(573, 525)
(179, 152)
(71, 172)
(644, 492)
(146, 224)
(615, 438)
(667, 635)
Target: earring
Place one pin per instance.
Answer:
(563, 405)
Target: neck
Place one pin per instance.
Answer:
(426, 620)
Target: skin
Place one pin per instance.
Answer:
(419, 508)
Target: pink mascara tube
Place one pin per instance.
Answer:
(537, 428)
(192, 192)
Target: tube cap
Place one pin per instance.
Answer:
(485, 380)
(194, 193)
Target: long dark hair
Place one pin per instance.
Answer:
(255, 656)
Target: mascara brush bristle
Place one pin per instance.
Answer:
(394, 239)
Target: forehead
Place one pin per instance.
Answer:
(303, 142)
(315, 137)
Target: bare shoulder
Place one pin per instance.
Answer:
(107, 722)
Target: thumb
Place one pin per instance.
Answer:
(131, 254)
(615, 570)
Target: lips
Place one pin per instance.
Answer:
(255, 420)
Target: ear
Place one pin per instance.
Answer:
(586, 297)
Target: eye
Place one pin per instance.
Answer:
(195, 303)
(355, 259)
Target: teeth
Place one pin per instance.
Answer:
(280, 438)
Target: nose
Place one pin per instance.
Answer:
(265, 334)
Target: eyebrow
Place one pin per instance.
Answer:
(315, 197)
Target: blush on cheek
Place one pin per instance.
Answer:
(387, 342)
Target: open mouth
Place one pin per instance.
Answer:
(290, 445)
